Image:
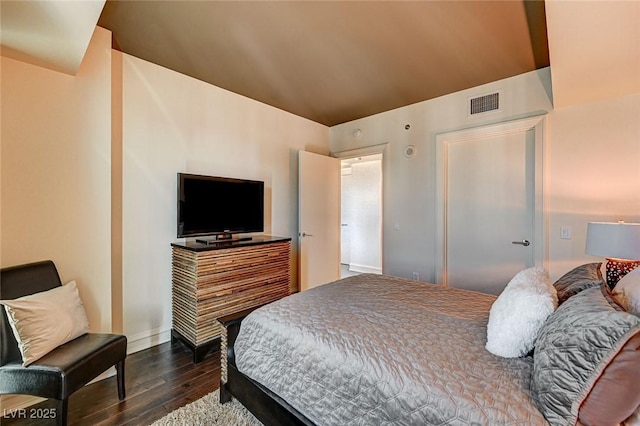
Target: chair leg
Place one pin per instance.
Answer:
(62, 412)
(120, 376)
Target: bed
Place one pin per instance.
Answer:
(374, 349)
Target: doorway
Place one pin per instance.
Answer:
(361, 215)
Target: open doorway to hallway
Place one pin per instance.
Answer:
(361, 224)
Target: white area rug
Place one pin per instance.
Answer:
(208, 411)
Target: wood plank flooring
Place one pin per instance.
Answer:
(158, 381)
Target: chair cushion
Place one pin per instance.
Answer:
(65, 369)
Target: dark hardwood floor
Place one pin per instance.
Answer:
(158, 381)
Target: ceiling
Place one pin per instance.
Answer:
(335, 61)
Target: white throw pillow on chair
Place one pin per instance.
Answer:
(43, 321)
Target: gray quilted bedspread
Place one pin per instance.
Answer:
(375, 350)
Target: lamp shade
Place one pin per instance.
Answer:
(614, 240)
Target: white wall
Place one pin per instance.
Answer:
(56, 138)
(173, 123)
(409, 183)
(592, 166)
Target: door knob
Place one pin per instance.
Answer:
(522, 243)
(304, 234)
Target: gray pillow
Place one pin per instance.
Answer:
(578, 279)
(574, 347)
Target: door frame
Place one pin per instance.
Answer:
(535, 124)
(382, 149)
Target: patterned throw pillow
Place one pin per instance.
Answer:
(618, 268)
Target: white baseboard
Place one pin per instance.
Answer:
(147, 339)
(364, 269)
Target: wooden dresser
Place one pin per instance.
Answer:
(212, 280)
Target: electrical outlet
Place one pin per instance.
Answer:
(565, 232)
(416, 276)
(396, 226)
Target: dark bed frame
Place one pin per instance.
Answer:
(265, 405)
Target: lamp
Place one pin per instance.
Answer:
(619, 243)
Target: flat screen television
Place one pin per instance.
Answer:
(220, 206)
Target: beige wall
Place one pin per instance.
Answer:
(593, 172)
(88, 174)
(56, 138)
(592, 166)
(172, 123)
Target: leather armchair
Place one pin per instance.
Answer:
(65, 369)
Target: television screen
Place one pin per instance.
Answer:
(209, 205)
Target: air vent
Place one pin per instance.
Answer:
(486, 103)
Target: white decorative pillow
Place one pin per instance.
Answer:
(627, 291)
(519, 312)
(43, 321)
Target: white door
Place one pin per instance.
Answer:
(491, 203)
(319, 219)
